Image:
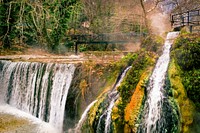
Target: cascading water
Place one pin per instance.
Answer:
(83, 118)
(112, 97)
(154, 121)
(37, 88)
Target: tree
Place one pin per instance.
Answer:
(8, 20)
(98, 14)
(182, 5)
(152, 4)
(44, 22)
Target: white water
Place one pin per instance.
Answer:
(37, 88)
(113, 96)
(109, 111)
(112, 103)
(83, 117)
(155, 88)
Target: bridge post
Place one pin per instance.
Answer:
(172, 19)
(190, 28)
(76, 48)
(188, 18)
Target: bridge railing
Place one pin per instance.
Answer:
(105, 37)
(189, 18)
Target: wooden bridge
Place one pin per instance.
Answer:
(189, 18)
(105, 38)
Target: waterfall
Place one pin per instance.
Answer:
(113, 96)
(109, 111)
(153, 121)
(83, 117)
(37, 88)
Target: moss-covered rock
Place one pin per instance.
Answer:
(131, 89)
(184, 75)
(186, 107)
(133, 109)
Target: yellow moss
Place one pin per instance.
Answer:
(115, 114)
(93, 111)
(83, 86)
(186, 107)
(132, 109)
(9, 122)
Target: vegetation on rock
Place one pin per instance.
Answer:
(186, 52)
(128, 86)
(184, 74)
(11, 123)
(134, 108)
(153, 43)
(186, 108)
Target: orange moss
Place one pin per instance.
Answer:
(132, 110)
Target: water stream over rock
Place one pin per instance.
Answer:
(155, 116)
(83, 118)
(113, 95)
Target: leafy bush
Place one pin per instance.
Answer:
(127, 87)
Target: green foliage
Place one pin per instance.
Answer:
(36, 22)
(126, 61)
(186, 52)
(93, 47)
(191, 80)
(9, 12)
(127, 87)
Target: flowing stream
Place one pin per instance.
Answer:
(153, 119)
(37, 88)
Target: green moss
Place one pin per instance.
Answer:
(185, 106)
(134, 108)
(186, 51)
